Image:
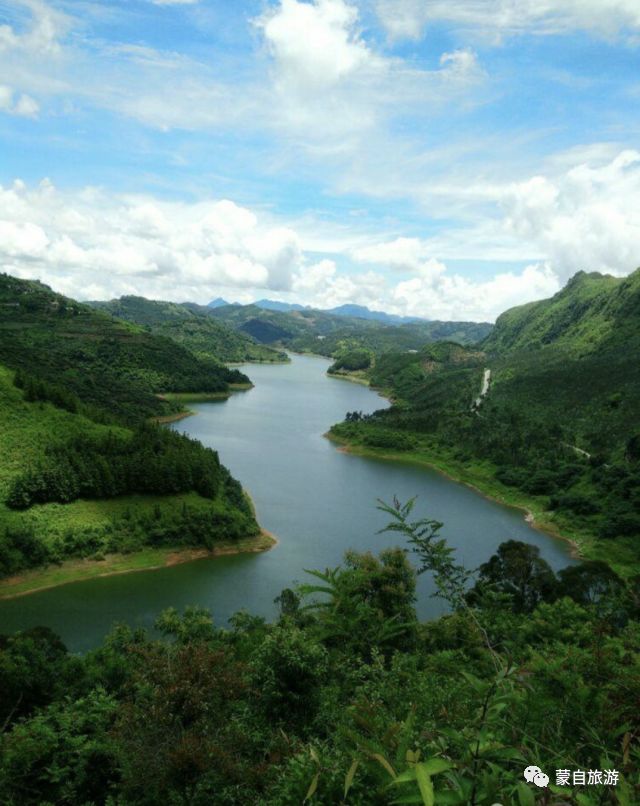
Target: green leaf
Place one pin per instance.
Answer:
(312, 787)
(435, 765)
(425, 785)
(383, 761)
(623, 793)
(348, 781)
(450, 798)
(405, 777)
(407, 728)
(525, 795)
(305, 590)
(476, 685)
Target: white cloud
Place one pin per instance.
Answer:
(315, 45)
(581, 215)
(402, 254)
(18, 105)
(453, 297)
(428, 289)
(321, 89)
(495, 18)
(43, 36)
(432, 292)
(461, 65)
(117, 244)
(334, 90)
(585, 217)
(322, 286)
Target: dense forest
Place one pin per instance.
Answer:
(345, 697)
(325, 333)
(193, 326)
(114, 369)
(77, 388)
(559, 425)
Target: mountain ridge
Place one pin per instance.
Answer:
(348, 309)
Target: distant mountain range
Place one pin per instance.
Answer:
(358, 311)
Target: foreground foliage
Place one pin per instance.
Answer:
(346, 698)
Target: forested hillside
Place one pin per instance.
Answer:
(107, 367)
(71, 488)
(559, 427)
(593, 312)
(82, 473)
(192, 326)
(330, 334)
(346, 698)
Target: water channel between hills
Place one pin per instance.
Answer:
(318, 501)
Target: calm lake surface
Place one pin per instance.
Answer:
(318, 500)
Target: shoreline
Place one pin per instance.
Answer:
(534, 519)
(196, 397)
(147, 559)
(351, 378)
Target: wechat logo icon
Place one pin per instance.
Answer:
(534, 775)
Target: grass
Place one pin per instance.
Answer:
(357, 376)
(58, 519)
(26, 431)
(619, 554)
(146, 559)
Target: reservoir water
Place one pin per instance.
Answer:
(318, 500)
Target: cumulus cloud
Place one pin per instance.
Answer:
(582, 214)
(408, 18)
(453, 297)
(586, 217)
(90, 243)
(433, 292)
(322, 286)
(335, 88)
(461, 65)
(42, 36)
(315, 45)
(19, 105)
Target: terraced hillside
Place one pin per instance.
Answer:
(105, 365)
(192, 326)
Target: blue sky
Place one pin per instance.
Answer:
(446, 159)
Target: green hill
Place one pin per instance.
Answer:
(102, 364)
(593, 312)
(84, 479)
(575, 355)
(559, 429)
(192, 326)
(328, 334)
(76, 492)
